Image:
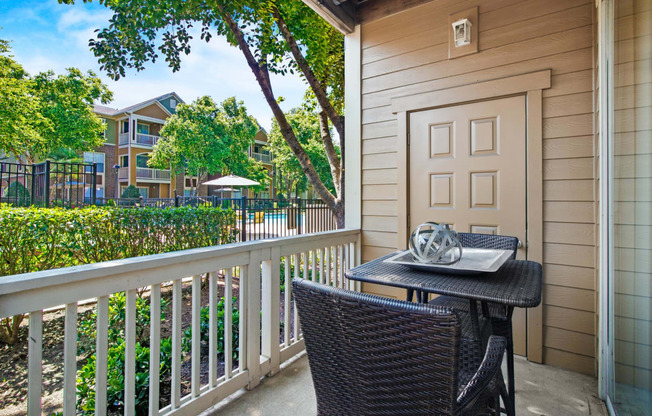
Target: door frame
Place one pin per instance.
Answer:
(531, 85)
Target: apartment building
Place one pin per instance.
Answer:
(130, 135)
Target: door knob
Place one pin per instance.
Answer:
(520, 244)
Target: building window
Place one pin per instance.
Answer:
(125, 126)
(95, 157)
(173, 103)
(143, 191)
(142, 128)
(124, 161)
(103, 132)
(141, 160)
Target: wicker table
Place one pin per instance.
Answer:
(516, 284)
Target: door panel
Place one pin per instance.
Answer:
(467, 169)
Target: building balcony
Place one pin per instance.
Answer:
(153, 175)
(262, 157)
(123, 173)
(146, 139)
(142, 139)
(269, 340)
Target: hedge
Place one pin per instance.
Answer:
(35, 239)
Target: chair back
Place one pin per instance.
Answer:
(376, 356)
(497, 242)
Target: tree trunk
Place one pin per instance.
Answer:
(9, 329)
(262, 76)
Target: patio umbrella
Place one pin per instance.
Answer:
(231, 180)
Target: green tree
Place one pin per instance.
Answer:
(305, 123)
(205, 138)
(41, 114)
(130, 192)
(275, 36)
(20, 118)
(66, 101)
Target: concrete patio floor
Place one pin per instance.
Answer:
(540, 390)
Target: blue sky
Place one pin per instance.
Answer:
(47, 35)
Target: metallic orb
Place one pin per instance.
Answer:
(435, 243)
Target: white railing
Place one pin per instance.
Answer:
(123, 173)
(123, 138)
(154, 174)
(262, 157)
(249, 271)
(146, 139)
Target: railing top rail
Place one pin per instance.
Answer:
(111, 276)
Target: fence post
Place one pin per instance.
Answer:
(243, 226)
(176, 200)
(141, 201)
(33, 185)
(299, 228)
(46, 191)
(94, 181)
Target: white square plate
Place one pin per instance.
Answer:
(473, 261)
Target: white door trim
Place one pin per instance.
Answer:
(530, 85)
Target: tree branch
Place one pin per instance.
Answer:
(262, 76)
(314, 83)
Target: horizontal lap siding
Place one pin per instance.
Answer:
(407, 53)
(632, 195)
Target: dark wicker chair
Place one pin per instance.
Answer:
(376, 356)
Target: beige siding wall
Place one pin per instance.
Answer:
(407, 53)
(633, 192)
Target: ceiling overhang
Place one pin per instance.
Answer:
(339, 13)
(344, 15)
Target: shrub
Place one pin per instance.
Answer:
(204, 327)
(116, 356)
(34, 239)
(17, 194)
(116, 378)
(130, 192)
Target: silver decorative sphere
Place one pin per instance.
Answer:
(435, 244)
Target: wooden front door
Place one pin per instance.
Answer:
(467, 169)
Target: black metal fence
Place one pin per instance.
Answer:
(258, 218)
(55, 184)
(48, 184)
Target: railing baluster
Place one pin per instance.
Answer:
(351, 264)
(228, 324)
(212, 328)
(321, 266)
(70, 361)
(176, 343)
(101, 354)
(130, 353)
(313, 264)
(340, 267)
(252, 283)
(154, 349)
(327, 251)
(35, 363)
(287, 306)
(242, 309)
(196, 336)
(297, 260)
(271, 281)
